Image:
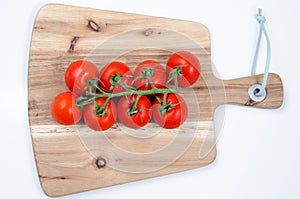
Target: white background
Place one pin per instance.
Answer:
(258, 151)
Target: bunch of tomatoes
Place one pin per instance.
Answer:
(134, 98)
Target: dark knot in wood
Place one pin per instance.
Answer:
(94, 26)
(73, 43)
(148, 32)
(100, 162)
(250, 102)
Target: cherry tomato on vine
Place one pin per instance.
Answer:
(117, 75)
(153, 70)
(106, 118)
(64, 109)
(134, 117)
(171, 115)
(77, 75)
(186, 65)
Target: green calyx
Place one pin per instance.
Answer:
(177, 71)
(101, 111)
(166, 108)
(91, 84)
(132, 109)
(114, 80)
(147, 72)
(117, 80)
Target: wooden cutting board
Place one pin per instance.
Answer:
(71, 159)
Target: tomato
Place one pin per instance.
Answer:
(155, 70)
(173, 114)
(100, 123)
(134, 118)
(189, 66)
(64, 109)
(113, 72)
(77, 75)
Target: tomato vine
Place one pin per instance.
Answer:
(149, 92)
(94, 91)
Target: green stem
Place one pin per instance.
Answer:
(136, 101)
(90, 97)
(151, 82)
(81, 102)
(125, 86)
(137, 92)
(165, 99)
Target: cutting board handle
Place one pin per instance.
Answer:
(237, 91)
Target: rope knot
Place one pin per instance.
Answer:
(260, 18)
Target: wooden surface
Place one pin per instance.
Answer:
(66, 156)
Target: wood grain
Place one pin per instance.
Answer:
(66, 155)
(237, 91)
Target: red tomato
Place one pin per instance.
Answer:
(158, 75)
(137, 118)
(115, 70)
(77, 75)
(64, 109)
(175, 112)
(100, 123)
(190, 67)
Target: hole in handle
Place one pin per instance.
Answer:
(256, 93)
